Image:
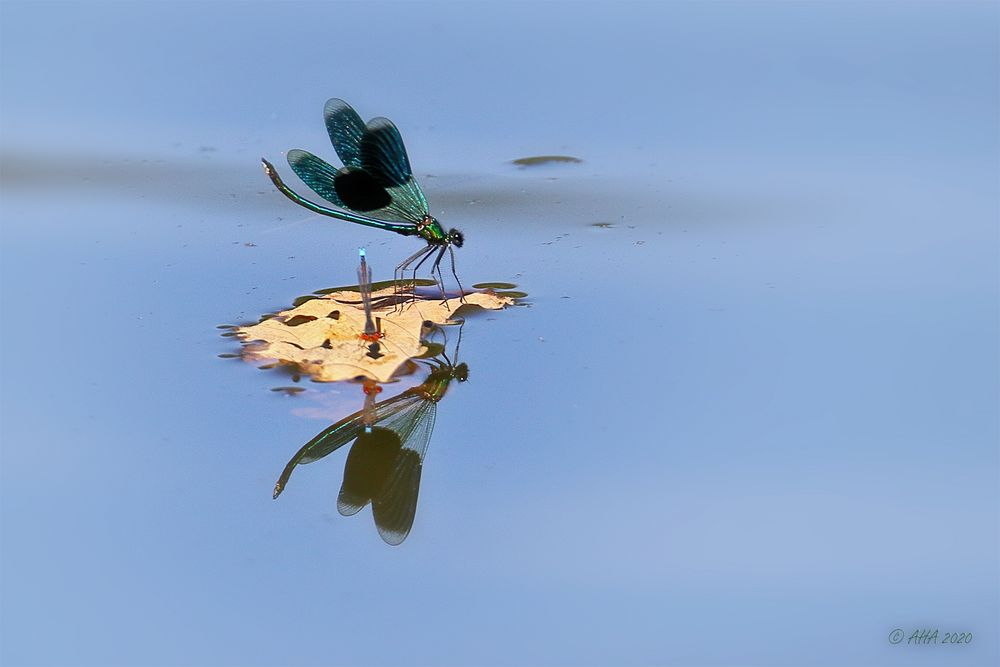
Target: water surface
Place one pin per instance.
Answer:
(748, 417)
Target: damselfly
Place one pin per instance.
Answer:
(373, 328)
(375, 187)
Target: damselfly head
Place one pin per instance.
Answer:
(456, 238)
(461, 372)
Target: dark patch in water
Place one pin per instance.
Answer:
(537, 160)
(290, 391)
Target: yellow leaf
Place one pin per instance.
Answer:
(322, 336)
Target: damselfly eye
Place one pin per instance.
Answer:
(456, 237)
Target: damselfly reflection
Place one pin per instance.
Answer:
(390, 441)
(372, 335)
(375, 187)
(371, 389)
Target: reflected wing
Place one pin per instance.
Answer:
(383, 155)
(415, 423)
(396, 505)
(347, 429)
(368, 465)
(345, 128)
(395, 508)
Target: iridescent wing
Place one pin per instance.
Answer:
(345, 128)
(383, 155)
(376, 178)
(317, 173)
(404, 228)
(356, 189)
(350, 187)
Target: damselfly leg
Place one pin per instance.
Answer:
(461, 290)
(400, 273)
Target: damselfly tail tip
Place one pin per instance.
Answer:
(278, 488)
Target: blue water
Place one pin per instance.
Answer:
(754, 421)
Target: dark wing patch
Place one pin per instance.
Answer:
(369, 463)
(359, 190)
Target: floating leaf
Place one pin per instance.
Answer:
(321, 336)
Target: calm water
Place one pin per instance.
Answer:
(749, 419)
